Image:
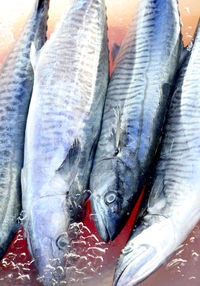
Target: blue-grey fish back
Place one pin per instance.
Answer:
(71, 76)
(136, 104)
(16, 81)
(172, 207)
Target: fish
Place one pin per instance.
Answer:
(16, 81)
(71, 74)
(136, 104)
(172, 207)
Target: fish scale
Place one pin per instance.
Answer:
(71, 75)
(172, 205)
(15, 90)
(139, 88)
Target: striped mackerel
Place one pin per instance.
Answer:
(16, 82)
(173, 207)
(136, 104)
(71, 75)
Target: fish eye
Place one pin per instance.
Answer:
(127, 250)
(110, 198)
(62, 241)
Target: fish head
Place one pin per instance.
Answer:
(47, 239)
(147, 249)
(111, 200)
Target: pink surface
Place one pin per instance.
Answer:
(16, 268)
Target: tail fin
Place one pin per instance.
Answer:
(40, 4)
(42, 8)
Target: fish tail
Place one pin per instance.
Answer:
(42, 7)
(40, 4)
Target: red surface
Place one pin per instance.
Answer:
(17, 264)
(16, 268)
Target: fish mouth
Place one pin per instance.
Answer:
(145, 252)
(51, 273)
(50, 268)
(52, 276)
(134, 265)
(100, 223)
(108, 223)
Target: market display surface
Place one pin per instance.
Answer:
(111, 143)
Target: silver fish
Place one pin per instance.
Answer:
(135, 108)
(71, 75)
(173, 207)
(16, 81)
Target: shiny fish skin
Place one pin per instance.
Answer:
(173, 207)
(136, 104)
(71, 74)
(16, 81)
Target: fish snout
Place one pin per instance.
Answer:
(130, 265)
(49, 257)
(145, 251)
(52, 275)
(106, 210)
(52, 272)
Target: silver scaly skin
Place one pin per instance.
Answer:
(71, 75)
(16, 82)
(173, 207)
(135, 108)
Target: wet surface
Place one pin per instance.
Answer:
(91, 261)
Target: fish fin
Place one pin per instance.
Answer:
(40, 35)
(86, 196)
(68, 167)
(83, 197)
(93, 148)
(40, 4)
(153, 192)
(156, 190)
(78, 203)
(155, 199)
(115, 51)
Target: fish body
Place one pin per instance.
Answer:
(71, 74)
(136, 103)
(16, 81)
(173, 206)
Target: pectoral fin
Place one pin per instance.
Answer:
(68, 168)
